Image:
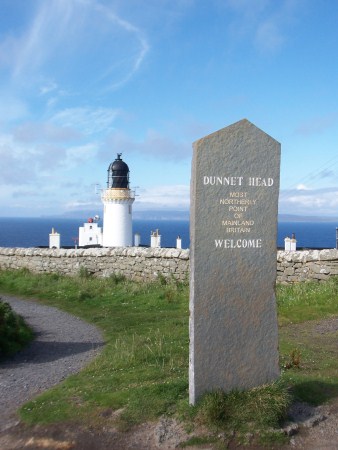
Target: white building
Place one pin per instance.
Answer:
(155, 239)
(117, 206)
(90, 234)
(54, 239)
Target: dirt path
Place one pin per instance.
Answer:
(318, 429)
(63, 345)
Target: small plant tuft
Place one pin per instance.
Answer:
(117, 278)
(162, 280)
(84, 294)
(294, 361)
(84, 272)
(14, 333)
(261, 407)
(199, 440)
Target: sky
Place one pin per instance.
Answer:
(83, 80)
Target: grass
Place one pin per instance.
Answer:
(308, 356)
(143, 369)
(14, 333)
(307, 301)
(143, 365)
(245, 413)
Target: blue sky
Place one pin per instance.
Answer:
(81, 80)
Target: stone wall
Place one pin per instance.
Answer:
(145, 264)
(136, 263)
(306, 265)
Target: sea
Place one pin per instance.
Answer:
(34, 232)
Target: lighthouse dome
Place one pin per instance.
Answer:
(118, 174)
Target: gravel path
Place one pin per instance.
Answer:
(63, 345)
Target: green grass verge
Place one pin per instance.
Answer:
(301, 302)
(308, 351)
(143, 369)
(14, 332)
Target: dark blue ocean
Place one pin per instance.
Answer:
(34, 232)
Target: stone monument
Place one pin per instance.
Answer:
(234, 206)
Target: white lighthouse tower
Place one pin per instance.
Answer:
(117, 200)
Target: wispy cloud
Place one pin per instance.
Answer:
(153, 144)
(327, 173)
(36, 151)
(87, 120)
(78, 154)
(302, 201)
(317, 125)
(28, 193)
(269, 36)
(14, 164)
(264, 22)
(302, 187)
(12, 108)
(76, 205)
(64, 36)
(164, 197)
(139, 56)
(48, 87)
(33, 132)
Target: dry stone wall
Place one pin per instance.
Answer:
(145, 264)
(306, 265)
(136, 263)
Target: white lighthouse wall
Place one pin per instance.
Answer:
(117, 224)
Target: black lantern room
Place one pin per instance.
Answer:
(118, 174)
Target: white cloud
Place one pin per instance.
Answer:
(269, 36)
(16, 167)
(67, 125)
(28, 193)
(32, 132)
(86, 120)
(77, 155)
(12, 108)
(48, 87)
(64, 36)
(27, 157)
(301, 187)
(130, 28)
(310, 202)
(264, 22)
(164, 197)
(78, 204)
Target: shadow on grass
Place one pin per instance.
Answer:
(315, 392)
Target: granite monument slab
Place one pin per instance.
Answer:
(233, 230)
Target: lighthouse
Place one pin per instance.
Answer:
(117, 206)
